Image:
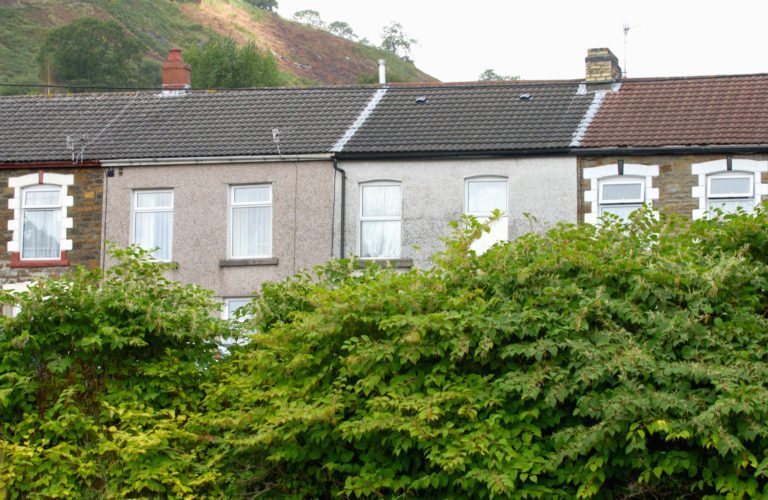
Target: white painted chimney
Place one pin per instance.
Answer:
(382, 71)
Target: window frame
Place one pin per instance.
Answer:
(622, 180)
(727, 167)
(362, 219)
(231, 205)
(24, 208)
(135, 209)
(486, 178)
(487, 240)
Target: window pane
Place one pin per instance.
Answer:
(622, 192)
(252, 194)
(730, 186)
(622, 211)
(483, 197)
(251, 231)
(41, 233)
(731, 206)
(499, 232)
(40, 198)
(154, 200)
(154, 229)
(380, 239)
(381, 201)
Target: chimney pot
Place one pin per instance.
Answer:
(177, 75)
(602, 66)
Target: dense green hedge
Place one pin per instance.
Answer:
(621, 361)
(98, 377)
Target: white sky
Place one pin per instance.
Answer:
(548, 39)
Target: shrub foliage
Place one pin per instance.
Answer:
(627, 360)
(99, 374)
(621, 361)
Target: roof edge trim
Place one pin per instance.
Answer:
(208, 160)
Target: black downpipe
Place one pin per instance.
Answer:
(343, 205)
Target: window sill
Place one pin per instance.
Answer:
(16, 261)
(394, 263)
(269, 261)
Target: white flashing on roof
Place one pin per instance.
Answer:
(578, 135)
(361, 118)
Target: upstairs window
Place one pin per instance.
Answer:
(728, 184)
(621, 196)
(41, 223)
(380, 220)
(483, 196)
(153, 222)
(250, 222)
(729, 192)
(619, 188)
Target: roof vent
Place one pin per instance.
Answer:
(524, 97)
(422, 99)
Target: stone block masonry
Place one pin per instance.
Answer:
(86, 214)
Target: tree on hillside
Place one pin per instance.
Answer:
(309, 17)
(395, 40)
(491, 75)
(342, 29)
(268, 5)
(90, 51)
(220, 63)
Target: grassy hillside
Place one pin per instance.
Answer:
(307, 55)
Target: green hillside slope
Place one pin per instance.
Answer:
(307, 55)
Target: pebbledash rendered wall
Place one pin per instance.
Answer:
(85, 233)
(675, 181)
(301, 219)
(433, 194)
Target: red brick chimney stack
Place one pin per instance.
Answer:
(177, 74)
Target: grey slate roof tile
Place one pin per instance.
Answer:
(455, 118)
(146, 125)
(473, 117)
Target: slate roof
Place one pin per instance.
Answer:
(473, 117)
(146, 125)
(692, 111)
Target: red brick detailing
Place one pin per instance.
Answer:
(177, 75)
(17, 262)
(40, 176)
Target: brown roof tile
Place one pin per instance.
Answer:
(694, 111)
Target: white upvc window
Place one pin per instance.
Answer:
(728, 185)
(152, 222)
(619, 189)
(41, 222)
(231, 305)
(621, 195)
(729, 192)
(250, 221)
(483, 195)
(380, 220)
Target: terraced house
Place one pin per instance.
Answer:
(240, 187)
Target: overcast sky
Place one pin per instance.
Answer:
(546, 39)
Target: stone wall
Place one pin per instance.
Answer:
(86, 223)
(675, 181)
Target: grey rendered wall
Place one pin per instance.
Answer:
(302, 197)
(433, 195)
